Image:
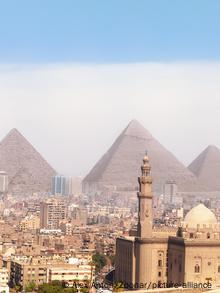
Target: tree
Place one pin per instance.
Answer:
(118, 287)
(30, 286)
(99, 260)
(70, 290)
(53, 287)
(112, 259)
(84, 290)
(18, 287)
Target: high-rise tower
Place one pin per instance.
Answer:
(145, 201)
(3, 182)
(52, 212)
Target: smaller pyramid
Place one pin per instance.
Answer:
(28, 171)
(207, 167)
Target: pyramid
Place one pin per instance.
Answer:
(119, 168)
(28, 172)
(207, 167)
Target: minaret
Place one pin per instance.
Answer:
(145, 201)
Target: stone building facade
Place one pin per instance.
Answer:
(152, 256)
(194, 254)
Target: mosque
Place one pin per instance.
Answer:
(154, 256)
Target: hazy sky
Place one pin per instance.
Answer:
(74, 73)
(73, 113)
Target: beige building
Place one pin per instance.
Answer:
(153, 256)
(71, 274)
(52, 212)
(78, 215)
(30, 222)
(39, 270)
(194, 254)
(24, 271)
(4, 278)
(66, 227)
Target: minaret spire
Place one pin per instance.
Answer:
(145, 200)
(145, 168)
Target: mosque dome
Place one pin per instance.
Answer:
(200, 214)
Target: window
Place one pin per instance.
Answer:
(159, 263)
(159, 274)
(218, 269)
(208, 235)
(190, 235)
(197, 269)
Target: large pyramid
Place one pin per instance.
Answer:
(28, 172)
(207, 167)
(119, 168)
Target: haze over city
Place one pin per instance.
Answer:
(73, 113)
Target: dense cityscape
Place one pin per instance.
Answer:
(69, 234)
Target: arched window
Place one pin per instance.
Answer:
(197, 269)
(159, 263)
(208, 235)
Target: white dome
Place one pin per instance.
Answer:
(199, 215)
